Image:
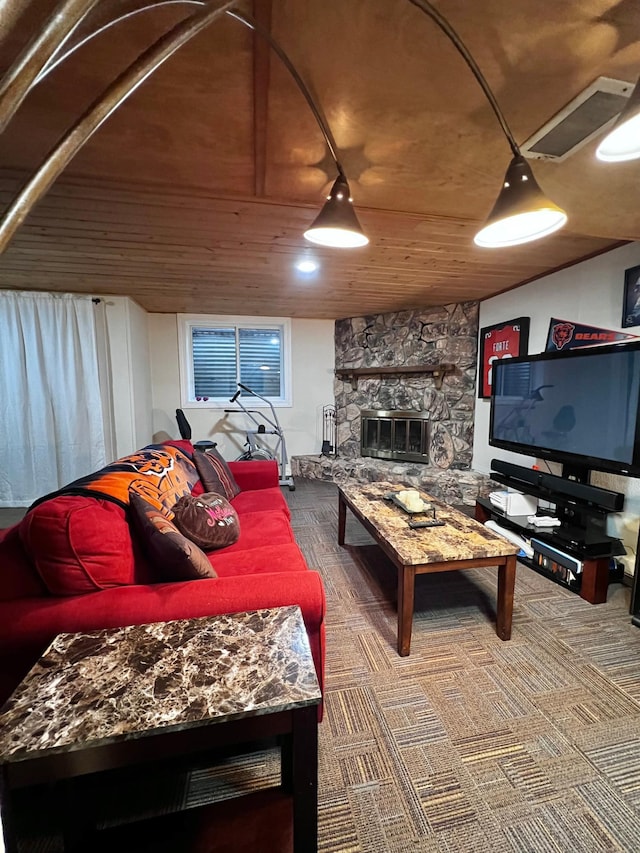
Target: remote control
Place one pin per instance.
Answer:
(430, 522)
(544, 520)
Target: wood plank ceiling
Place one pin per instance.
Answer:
(193, 195)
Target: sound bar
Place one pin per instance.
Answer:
(560, 486)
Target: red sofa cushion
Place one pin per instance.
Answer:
(255, 473)
(198, 489)
(78, 544)
(257, 500)
(28, 626)
(261, 560)
(181, 443)
(259, 528)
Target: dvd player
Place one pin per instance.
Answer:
(575, 538)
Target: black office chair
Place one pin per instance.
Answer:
(185, 432)
(563, 423)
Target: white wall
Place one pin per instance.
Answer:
(130, 374)
(312, 357)
(140, 372)
(590, 292)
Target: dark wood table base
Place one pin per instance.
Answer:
(506, 563)
(202, 713)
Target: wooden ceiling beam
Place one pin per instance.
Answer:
(261, 77)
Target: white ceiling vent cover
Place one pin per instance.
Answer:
(582, 119)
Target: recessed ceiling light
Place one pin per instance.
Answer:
(307, 265)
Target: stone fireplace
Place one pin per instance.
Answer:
(419, 366)
(407, 347)
(402, 436)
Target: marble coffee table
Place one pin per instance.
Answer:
(461, 543)
(134, 696)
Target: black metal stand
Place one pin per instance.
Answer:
(634, 607)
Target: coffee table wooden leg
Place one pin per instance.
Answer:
(406, 589)
(506, 586)
(342, 519)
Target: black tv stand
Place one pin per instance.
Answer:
(594, 580)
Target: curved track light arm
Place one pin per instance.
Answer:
(243, 18)
(459, 45)
(120, 90)
(21, 76)
(100, 110)
(79, 38)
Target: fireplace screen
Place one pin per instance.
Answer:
(403, 436)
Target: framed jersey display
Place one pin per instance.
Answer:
(504, 340)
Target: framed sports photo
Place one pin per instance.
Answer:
(504, 340)
(631, 306)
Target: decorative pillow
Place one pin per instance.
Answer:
(175, 557)
(215, 474)
(209, 520)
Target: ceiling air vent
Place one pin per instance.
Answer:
(584, 117)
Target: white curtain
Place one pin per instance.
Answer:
(105, 377)
(51, 423)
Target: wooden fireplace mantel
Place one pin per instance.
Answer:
(438, 372)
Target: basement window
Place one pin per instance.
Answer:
(217, 353)
(515, 382)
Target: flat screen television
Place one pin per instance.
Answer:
(580, 408)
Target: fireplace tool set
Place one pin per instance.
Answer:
(329, 435)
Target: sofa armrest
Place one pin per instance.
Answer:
(256, 473)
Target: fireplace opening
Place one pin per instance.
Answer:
(398, 435)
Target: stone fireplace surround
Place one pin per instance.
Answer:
(430, 336)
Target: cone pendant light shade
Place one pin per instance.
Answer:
(623, 140)
(337, 224)
(521, 213)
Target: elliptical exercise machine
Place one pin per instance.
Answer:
(272, 427)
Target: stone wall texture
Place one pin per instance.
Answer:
(430, 336)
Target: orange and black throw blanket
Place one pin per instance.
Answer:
(160, 473)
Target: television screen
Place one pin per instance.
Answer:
(577, 407)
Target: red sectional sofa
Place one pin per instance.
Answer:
(75, 563)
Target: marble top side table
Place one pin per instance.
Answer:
(124, 697)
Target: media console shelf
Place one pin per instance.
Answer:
(595, 576)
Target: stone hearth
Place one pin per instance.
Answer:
(452, 486)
